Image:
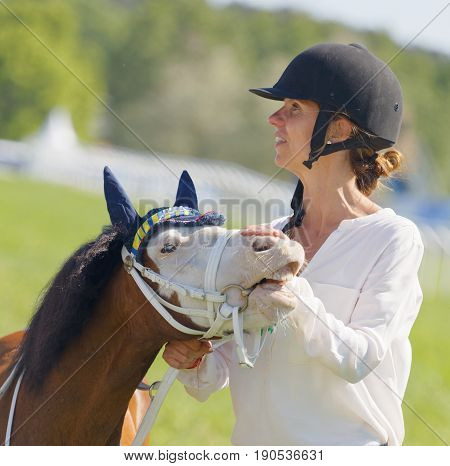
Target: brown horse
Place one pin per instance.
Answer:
(94, 334)
(86, 350)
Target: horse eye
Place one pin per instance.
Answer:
(168, 247)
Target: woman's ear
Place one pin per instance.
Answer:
(340, 130)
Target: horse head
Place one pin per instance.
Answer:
(246, 272)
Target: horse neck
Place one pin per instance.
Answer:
(87, 394)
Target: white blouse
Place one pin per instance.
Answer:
(335, 371)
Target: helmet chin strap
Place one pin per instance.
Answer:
(297, 206)
(331, 148)
(320, 147)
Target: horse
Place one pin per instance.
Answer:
(94, 335)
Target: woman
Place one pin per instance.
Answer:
(336, 371)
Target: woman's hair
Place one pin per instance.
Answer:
(369, 166)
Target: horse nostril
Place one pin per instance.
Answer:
(263, 243)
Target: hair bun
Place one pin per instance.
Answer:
(388, 162)
(369, 167)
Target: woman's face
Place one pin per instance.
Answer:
(294, 123)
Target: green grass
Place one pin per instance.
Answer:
(42, 224)
(428, 392)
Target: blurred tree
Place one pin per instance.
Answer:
(153, 34)
(178, 72)
(32, 81)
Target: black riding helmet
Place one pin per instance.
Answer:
(342, 79)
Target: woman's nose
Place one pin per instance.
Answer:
(276, 119)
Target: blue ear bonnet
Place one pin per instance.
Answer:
(175, 217)
(194, 219)
(183, 213)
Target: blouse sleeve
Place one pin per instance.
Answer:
(386, 308)
(211, 375)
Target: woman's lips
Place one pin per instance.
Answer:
(279, 140)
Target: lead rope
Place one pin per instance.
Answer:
(156, 401)
(155, 405)
(3, 390)
(11, 411)
(8, 381)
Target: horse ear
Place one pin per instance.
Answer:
(186, 194)
(120, 208)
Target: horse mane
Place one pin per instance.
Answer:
(65, 307)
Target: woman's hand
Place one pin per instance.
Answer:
(271, 299)
(263, 230)
(186, 354)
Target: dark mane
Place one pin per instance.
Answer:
(66, 306)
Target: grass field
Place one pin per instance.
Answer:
(42, 224)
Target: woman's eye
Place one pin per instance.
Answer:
(295, 107)
(168, 247)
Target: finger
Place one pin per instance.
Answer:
(263, 232)
(207, 345)
(185, 352)
(259, 232)
(176, 358)
(258, 228)
(183, 358)
(195, 345)
(188, 364)
(196, 363)
(171, 360)
(199, 347)
(177, 364)
(180, 355)
(183, 347)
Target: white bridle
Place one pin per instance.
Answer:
(218, 311)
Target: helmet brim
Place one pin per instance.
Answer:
(273, 93)
(277, 93)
